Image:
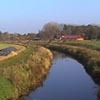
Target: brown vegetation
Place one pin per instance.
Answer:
(26, 70)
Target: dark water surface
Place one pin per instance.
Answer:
(67, 80)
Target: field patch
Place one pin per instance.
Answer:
(2, 45)
(10, 50)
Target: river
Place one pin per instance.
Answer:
(67, 80)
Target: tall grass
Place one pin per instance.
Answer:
(27, 69)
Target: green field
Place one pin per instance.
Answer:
(95, 44)
(6, 88)
(2, 46)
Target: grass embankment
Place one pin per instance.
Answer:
(22, 72)
(95, 45)
(90, 58)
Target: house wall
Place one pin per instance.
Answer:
(80, 39)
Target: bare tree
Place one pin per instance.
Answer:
(51, 30)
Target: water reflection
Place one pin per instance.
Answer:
(67, 80)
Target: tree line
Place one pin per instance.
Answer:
(54, 30)
(5, 36)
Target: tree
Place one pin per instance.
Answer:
(50, 30)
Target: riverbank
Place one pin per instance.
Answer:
(67, 80)
(23, 72)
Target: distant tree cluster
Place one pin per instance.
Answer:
(5, 36)
(90, 32)
(54, 30)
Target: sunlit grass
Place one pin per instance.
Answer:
(86, 43)
(22, 57)
(6, 89)
(2, 45)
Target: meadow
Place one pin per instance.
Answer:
(4, 45)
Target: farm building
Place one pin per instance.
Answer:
(72, 37)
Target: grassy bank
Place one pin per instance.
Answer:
(24, 71)
(6, 88)
(95, 45)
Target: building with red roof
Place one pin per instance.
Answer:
(72, 37)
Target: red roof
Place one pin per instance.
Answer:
(71, 36)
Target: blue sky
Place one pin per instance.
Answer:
(25, 16)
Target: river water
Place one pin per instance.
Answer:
(67, 80)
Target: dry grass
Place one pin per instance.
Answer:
(27, 69)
